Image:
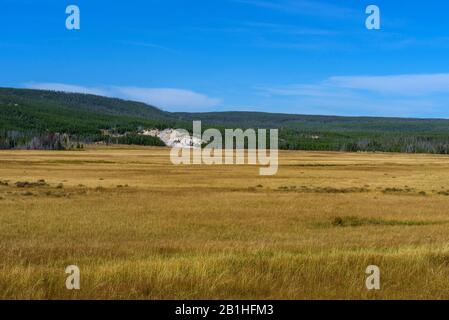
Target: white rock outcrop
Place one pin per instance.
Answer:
(175, 138)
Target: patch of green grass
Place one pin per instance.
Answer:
(80, 162)
(305, 189)
(353, 221)
(27, 184)
(397, 190)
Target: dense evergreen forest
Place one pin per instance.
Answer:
(38, 119)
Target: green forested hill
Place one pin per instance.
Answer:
(23, 109)
(318, 123)
(36, 110)
(25, 113)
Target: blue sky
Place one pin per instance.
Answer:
(292, 56)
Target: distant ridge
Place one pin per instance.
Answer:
(26, 109)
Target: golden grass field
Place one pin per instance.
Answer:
(139, 227)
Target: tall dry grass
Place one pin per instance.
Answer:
(141, 228)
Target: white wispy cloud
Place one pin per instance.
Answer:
(279, 35)
(404, 85)
(173, 99)
(285, 28)
(276, 28)
(149, 45)
(412, 95)
(304, 7)
(168, 97)
(412, 84)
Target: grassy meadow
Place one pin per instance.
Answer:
(139, 227)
